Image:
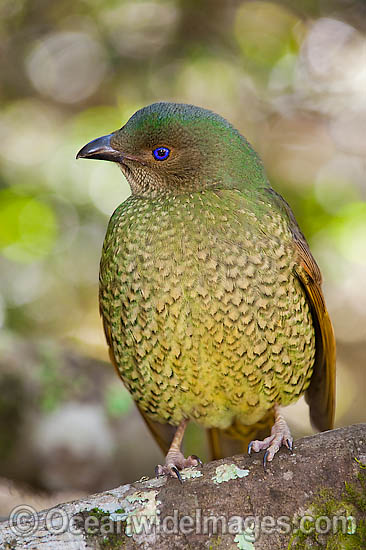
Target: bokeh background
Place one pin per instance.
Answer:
(290, 75)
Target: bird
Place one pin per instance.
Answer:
(210, 298)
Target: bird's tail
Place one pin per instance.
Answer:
(236, 438)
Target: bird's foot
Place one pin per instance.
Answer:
(174, 462)
(280, 435)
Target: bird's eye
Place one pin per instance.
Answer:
(161, 153)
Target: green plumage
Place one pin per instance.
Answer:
(210, 298)
(208, 320)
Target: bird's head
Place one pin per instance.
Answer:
(178, 148)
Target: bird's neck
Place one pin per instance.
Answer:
(150, 188)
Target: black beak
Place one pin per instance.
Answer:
(100, 149)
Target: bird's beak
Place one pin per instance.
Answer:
(100, 149)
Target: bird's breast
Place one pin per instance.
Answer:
(208, 320)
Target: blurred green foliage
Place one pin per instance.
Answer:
(28, 226)
(117, 401)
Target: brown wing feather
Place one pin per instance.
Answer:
(321, 392)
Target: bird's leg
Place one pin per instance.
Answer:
(280, 435)
(174, 460)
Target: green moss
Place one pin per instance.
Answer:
(113, 542)
(215, 543)
(351, 505)
(101, 531)
(355, 494)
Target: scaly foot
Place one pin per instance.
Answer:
(174, 460)
(280, 435)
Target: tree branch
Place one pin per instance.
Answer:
(233, 504)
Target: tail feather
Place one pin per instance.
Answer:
(236, 438)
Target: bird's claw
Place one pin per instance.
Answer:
(177, 473)
(199, 461)
(280, 435)
(169, 470)
(173, 466)
(290, 445)
(265, 460)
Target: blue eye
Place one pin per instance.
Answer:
(161, 153)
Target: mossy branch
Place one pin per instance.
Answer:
(315, 498)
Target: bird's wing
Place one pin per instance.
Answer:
(162, 433)
(321, 393)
